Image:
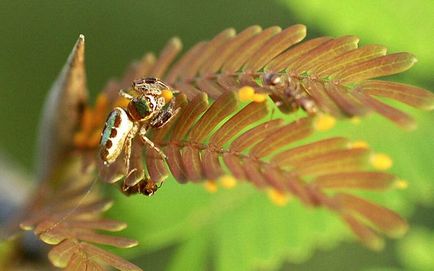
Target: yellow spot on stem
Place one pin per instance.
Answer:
(228, 181)
(259, 97)
(358, 144)
(246, 93)
(401, 184)
(324, 122)
(167, 95)
(210, 186)
(277, 197)
(380, 161)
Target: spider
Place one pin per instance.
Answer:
(151, 105)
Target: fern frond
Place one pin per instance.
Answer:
(329, 75)
(70, 219)
(209, 141)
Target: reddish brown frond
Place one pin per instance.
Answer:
(183, 63)
(332, 162)
(220, 57)
(166, 58)
(298, 154)
(357, 180)
(393, 114)
(324, 102)
(220, 109)
(240, 56)
(109, 258)
(341, 62)
(211, 165)
(68, 220)
(288, 58)
(175, 163)
(248, 115)
(384, 219)
(324, 53)
(99, 224)
(263, 156)
(282, 137)
(207, 51)
(156, 167)
(188, 116)
(274, 46)
(411, 95)
(345, 100)
(366, 235)
(318, 75)
(377, 67)
(192, 163)
(255, 134)
(114, 241)
(61, 254)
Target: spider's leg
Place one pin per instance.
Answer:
(125, 94)
(146, 140)
(127, 148)
(164, 116)
(172, 115)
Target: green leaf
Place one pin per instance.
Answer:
(191, 254)
(416, 249)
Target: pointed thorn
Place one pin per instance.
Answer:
(62, 112)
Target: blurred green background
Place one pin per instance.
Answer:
(37, 36)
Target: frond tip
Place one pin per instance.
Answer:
(209, 142)
(328, 75)
(70, 222)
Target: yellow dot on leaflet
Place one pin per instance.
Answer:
(277, 197)
(210, 186)
(358, 144)
(324, 122)
(259, 97)
(355, 120)
(380, 161)
(228, 181)
(167, 94)
(401, 184)
(246, 93)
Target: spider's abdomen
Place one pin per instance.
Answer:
(116, 130)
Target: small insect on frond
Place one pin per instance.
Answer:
(212, 141)
(328, 75)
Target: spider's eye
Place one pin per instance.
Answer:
(151, 103)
